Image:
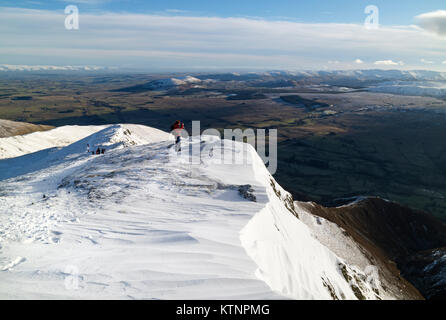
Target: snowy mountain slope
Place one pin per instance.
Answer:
(142, 222)
(293, 262)
(333, 237)
(109, 138)
(343, 245)
(15, 146)
(399, 242)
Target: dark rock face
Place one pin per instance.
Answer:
(247, 192)
(407, 244)
(427, 271)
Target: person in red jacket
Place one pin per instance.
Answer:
(176, 129)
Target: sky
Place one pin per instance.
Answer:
(196, 35)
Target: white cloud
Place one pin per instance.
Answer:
(359, 61)
(8, 67)
(176, 11)
(388, 63)
(160, 42)
(92, 2)
(434, 21)
(426, 61)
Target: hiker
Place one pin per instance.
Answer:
(88, 148)
(176, 129)
(102, 151)
(98, 151)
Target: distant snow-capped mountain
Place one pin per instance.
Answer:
(376, 74)
(172, 82)
(165, 84)
(412, 88)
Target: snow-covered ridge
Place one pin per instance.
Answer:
(16, 146)
(63, 136)
(142, 222)
(412, 88)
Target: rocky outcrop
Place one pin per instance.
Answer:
(407, 245)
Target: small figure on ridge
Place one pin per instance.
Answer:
(176, 129)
